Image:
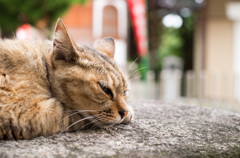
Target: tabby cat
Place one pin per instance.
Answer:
(50, 87)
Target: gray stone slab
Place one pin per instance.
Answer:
(158, 130)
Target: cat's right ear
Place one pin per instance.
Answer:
(106, 46)
(63, 46)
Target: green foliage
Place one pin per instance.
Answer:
(13, 11)
(176, 42)
(171, 43)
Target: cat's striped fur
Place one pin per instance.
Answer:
(49, 87)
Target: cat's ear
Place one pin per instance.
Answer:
(63, 46)
(106, 46)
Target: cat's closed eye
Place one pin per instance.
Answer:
(106, 90)
(125, 93)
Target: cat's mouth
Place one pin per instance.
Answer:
(99, 120)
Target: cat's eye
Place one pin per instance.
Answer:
(107, 91)
(125, 93)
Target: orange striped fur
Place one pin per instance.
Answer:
(50, 87)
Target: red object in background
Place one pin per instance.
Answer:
(28, 32)
(137, 9)
(24, 32)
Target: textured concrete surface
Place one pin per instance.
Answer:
(158, 130)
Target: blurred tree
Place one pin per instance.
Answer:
(171, 43)
(154, 34)
(168, 41)
(13, 13)
(177, 42)
(187, 34)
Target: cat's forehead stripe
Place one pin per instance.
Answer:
(119, 79)
(100, 56)
(102, 64)
(115, 80)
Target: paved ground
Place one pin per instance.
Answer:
(159, 130)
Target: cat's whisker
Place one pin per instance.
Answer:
(110, 125)
(89, 117)
(103, 119)
(67, 117)
(132, 64)
(77, 112)
(136, 71)
(77, 122)
(96, 124)
(105, 122)
(89, 123)
(122, 119)
(135, 78)
(101, 124)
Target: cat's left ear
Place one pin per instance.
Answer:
(106, 46)
(63, 46)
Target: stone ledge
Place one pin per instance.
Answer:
(158, 130)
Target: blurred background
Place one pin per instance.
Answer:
(182, 51)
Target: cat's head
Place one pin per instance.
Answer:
(88, 80)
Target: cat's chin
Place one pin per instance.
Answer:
(99, 125)
(125, 120)
(107, 124)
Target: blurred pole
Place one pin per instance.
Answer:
(145, 59)
(144, 67)
(137, 10)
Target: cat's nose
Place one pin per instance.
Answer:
(123, 113)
